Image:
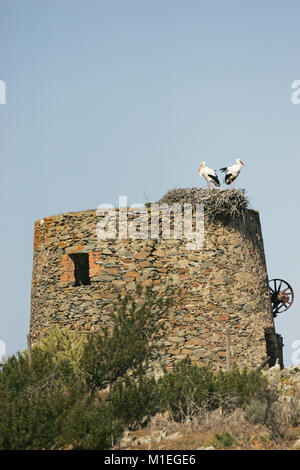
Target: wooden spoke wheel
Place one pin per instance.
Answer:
(282, 296)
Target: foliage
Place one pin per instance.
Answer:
(77, 394)
(92, 425)
(63, 344)
(134, 401)
(223, 440)
(34, 400)
(129, 345)
(184, 387)
(189, 388)
(277, 417)
(242, 384)
(51, 402)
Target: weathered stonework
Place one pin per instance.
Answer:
(224, 285)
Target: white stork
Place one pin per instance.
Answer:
(232, 172)
(209, 175)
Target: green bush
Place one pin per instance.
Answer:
(188, 389)
(223, 440)
(130, 344)
(63, 345)
(241, 386)
(77, 394)
(185, 389)
(257, 411)
(34, 400)
(91, 425)
(52, 402)
(134, 401)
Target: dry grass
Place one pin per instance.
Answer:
(218, 203)
(227, 427)
(213, 429)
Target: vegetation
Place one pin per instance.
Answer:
(189, 389)
(129, 345)
(223, 440)
(82, 394)
(78, 393)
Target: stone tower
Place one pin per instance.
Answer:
(77, 277)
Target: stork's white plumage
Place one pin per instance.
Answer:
(233, 171)
(209, 175)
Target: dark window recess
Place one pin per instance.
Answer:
(81, 269)
(274, 345)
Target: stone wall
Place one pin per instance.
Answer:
(224, 285)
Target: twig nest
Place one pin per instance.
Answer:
(218, 203)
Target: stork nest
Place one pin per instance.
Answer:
(218, 203)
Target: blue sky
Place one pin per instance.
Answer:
(109, 98)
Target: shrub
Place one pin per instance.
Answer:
(188, 389)
(223, 440)
(242, 385)
(34, 400)
(62, 344)
(277, 417)
(256, 411)
(134, 401)
(51, 402)
(91, 426)
(185, 389)
(82, 394)
(129, 345)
